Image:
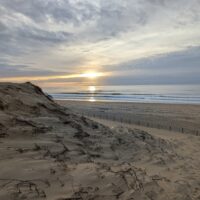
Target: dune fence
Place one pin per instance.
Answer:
(130, 119)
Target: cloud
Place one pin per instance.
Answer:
(178, 67)
(180, 60)
(149, 79)
(73, 36)
(60, 11)
(10, 70)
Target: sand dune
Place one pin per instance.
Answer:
(48, 152)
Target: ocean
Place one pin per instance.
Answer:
(175, 94)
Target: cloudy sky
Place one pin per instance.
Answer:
(54, 42)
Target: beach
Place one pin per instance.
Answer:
(175, 117)
(99, 100)
(56, 152)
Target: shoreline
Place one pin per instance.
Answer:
(184, 118)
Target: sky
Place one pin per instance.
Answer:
(56, 43)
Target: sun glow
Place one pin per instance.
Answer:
(92, 99)
(92, 75)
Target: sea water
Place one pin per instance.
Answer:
(176, 94)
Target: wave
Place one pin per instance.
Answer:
(189, 94)
(128, 97)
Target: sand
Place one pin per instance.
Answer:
(49, 152)
(176, 117)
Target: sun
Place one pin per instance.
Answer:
(92, 88)
(91, 75)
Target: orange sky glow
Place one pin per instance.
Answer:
(89, 75)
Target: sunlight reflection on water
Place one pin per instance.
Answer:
(92, 99)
